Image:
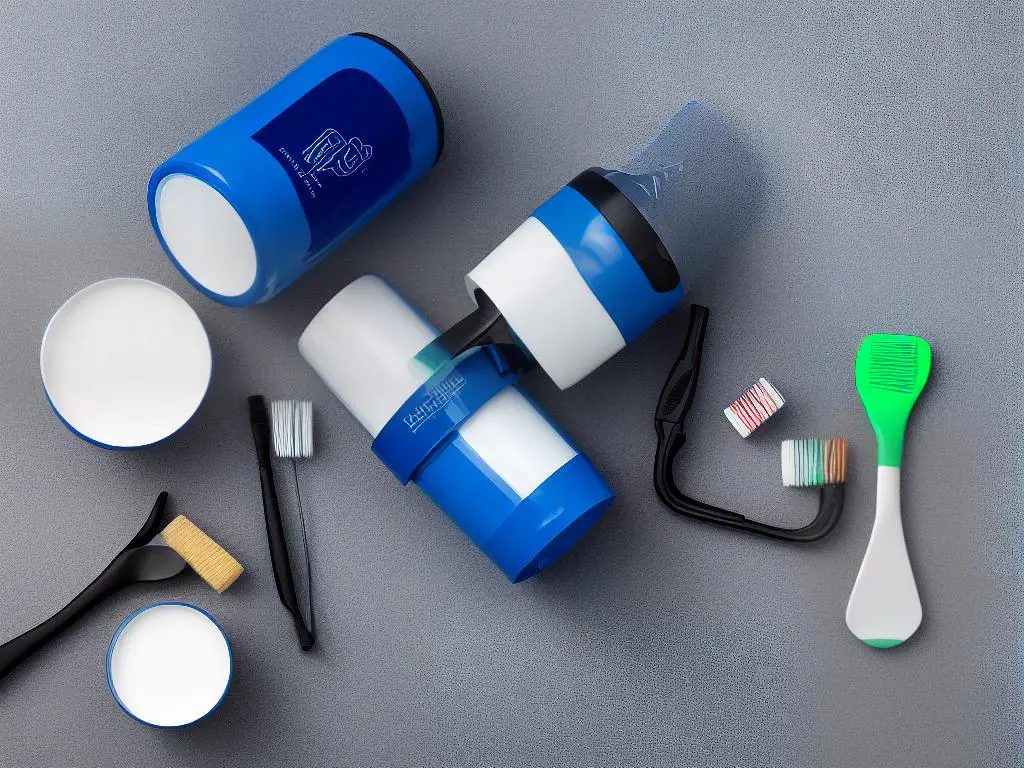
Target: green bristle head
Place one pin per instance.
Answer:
(891, 372)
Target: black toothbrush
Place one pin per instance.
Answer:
(279, 559)
(142, 560)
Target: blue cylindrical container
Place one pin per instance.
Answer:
(249, 207)
(581, 278)
(596, 265)
(464, 433)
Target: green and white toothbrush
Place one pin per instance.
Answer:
(884, 608)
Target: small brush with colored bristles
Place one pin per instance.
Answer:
(884, 607)
(755, 407)
(677, 398)
(813, 463)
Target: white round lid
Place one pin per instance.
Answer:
(169, 665)
(125, 362)
(205, 235)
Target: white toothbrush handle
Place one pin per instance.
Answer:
(884, 608)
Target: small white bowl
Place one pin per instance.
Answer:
(169, 665)
(125, 363)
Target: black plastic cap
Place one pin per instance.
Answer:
(630, 225)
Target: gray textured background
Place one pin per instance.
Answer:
(876, 152)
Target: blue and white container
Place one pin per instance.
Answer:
(249, 207)
(574, 288)
(465, 434)
(600, 262)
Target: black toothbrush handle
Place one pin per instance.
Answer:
(677, 397)
(279, 560)
(15, 651)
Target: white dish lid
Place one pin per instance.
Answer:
(125, 362)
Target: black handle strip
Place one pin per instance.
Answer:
(113, 577)
(15, 651)
(279, 559)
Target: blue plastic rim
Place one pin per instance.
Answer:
(98, 443)
(230, 159)
(110, 653)
(550, 521)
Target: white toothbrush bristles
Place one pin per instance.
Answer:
(292, 422)
(813, 463)
(755, 407)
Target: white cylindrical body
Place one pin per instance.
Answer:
(548, 304)
(363, 344)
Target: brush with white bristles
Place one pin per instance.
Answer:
(292, 433)
(755, 407)
(292, 422)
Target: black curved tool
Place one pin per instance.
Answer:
(142, 560)
(670, 419)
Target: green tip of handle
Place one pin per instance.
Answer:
(880, 642)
